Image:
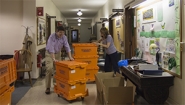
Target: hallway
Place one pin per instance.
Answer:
(36, 96)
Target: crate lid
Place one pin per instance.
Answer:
(71, 82)
(85, 44)
(92, 68)
(87, 56)
(71, 64)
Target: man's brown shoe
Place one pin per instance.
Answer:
(47, 91)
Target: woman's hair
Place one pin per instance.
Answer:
(104, 31)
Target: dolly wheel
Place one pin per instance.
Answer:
(82, 98)
(70, 101)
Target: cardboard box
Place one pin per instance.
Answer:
(100, 76)
(99, 85)
(116, 93)
(100, 97)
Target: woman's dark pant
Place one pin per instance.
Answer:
(111, 60)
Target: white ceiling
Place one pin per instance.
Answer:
(69, 9)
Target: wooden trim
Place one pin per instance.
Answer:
(181, 12)
(179, 76)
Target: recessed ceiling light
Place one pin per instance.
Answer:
(79, 13)
(79, 20)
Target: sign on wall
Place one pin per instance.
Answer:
(40, 11)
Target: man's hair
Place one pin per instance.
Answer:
(104, 31)
(60, 28)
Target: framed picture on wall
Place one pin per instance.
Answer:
(149, 15)
(41, 31)
(118, 23)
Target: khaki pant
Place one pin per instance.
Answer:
(50, 67)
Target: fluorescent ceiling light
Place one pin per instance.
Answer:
(79, 13)
(79, 20)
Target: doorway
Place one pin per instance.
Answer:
(74, 36)
(48, 27)
(130, 37)
(111, 27)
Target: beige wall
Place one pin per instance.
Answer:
(29, 20)
(51, 10)
(105, 11)
(11, 36)
(177, 92)
(99, 26)
(14, 14)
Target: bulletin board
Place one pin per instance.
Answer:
(159, 24)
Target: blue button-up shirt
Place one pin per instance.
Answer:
(55, 44)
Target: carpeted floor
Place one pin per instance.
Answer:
(20, 90)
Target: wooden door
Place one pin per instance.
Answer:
(48, 27)
(130, 37)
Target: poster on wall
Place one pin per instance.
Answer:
(41, 31)
(162, 36)
(120, 41)
(118, 23)
(170, 46)
(171, 3)
(146, 45)
(149, 15)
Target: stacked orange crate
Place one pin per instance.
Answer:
(87, 52)
(7, 77)
(70, 79)
(5, 97)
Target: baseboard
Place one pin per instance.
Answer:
(171, 102)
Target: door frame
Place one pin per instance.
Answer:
(48, 27)
(130, 36)
(72, 36)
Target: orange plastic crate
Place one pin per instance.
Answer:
(70, 90)
(4, 88)
(5, 98)
(90, 73)
(71, 70)
(84, 49)
(8, 73)
(91, 60)
(69, 98)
